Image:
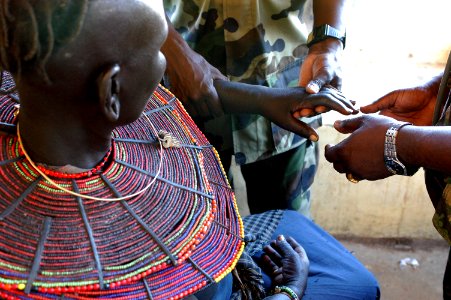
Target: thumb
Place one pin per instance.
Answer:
(348, 125)
(301, 128)
(315, 85)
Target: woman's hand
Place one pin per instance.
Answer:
(282, 106)
(287, 263)
(294, 103)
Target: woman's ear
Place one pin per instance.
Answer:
(108, 88)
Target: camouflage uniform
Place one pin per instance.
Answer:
(263, 43)
(439, 189)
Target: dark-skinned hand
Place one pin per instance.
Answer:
(362, 152)
(191, 77)
(287, 263)
(321, 67)
(192, 82)
(282, 105)
(414, 105)
(285, 111)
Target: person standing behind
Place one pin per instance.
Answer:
(261, 43)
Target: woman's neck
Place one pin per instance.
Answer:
(57, 144)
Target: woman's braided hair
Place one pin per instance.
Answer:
(31, 30)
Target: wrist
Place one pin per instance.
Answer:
(297, 288)
(326, 32)
(391, 152)
(290, 291)
(328, 45)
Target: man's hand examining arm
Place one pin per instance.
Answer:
(361, 153)
(415, 105)
(191, 77)
(322, 65)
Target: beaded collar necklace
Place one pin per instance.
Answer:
(171, 240)
(63, 175)
(162, 141)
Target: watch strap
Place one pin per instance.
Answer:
(322, 32)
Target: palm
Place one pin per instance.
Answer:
(415, 105)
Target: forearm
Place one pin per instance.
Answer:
(241, 98)
(329, 12)
(425, 146)
(175, 47)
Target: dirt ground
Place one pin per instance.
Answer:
(382, 258)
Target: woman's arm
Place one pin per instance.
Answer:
(281, 105)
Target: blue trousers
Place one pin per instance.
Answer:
(334, 272)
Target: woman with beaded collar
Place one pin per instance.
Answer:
(107, 193)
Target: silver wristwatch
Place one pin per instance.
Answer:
(390, 157)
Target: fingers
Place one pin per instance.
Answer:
(207, 104)
(378, 105)
(304, 112)
(336, 82)
(315, 85)
(273, 254)
(329, 98)
(281, 248)
(341, 105)
(348, 125)
(326, 75)
(271, 266)
(332, 98)
(321, 80)
(278, 249)
(297, 248)
(302, 129)
(331, 153)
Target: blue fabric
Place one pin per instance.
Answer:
(334, 272)
(219, 291)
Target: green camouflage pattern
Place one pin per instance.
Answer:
(251, 41)
(442, 204)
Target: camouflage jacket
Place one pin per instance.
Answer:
(251, 41)
(438, 184)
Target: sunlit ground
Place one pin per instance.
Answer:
(392, 44)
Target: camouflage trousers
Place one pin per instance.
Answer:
(282, 181)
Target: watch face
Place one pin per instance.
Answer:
(395, 167)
